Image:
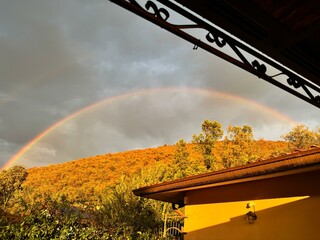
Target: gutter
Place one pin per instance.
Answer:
(285, 165)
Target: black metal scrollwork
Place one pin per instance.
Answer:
(260, 67)
(215, 37)
(294, 82)
(160, 15)
(158, 12)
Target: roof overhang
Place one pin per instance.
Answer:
(291, 168)
(282, 35)
(287, 31)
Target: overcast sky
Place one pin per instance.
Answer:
(58, 57)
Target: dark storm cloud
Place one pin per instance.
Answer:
(57, 57)
(60, 56)
(39, 70)
(146, 119)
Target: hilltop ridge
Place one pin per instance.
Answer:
(85, 177)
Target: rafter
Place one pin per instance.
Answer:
(214, 40)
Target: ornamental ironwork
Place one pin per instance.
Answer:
(215, 39)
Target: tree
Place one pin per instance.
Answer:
(126, 215)
(240, 135)
(301, 137)
(318, 136)
(211, 133)
(237, 147)
(10, 182)
(181, 156)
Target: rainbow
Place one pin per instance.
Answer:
(143, 92)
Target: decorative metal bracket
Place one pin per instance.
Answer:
(293, 84)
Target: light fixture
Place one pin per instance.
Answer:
(251, 215)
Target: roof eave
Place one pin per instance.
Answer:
(286, 165)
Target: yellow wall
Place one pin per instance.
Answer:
(281, 218)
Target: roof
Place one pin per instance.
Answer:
(294, 163)
(262, 35)
(287, 31)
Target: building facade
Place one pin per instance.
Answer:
(278, 198)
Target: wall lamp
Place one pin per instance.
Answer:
(251, 215)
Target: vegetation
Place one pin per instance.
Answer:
(301, 137)
(92, 198)
(205, 141)
(236, 148)
(10, 183)
(116, 214)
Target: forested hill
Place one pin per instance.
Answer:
(88, 177)
(94, 174)
(91, 198)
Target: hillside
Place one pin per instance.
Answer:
(87, 177)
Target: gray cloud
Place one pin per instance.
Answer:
(58, 57)
(148, 119)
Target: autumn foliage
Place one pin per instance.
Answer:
(84, 179)
(91, 198)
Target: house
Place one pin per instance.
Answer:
(278, 198)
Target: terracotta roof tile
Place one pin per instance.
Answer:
(299, 160)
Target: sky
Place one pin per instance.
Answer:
(80, 78)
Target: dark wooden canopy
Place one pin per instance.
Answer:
(284, 34)
(286, 30)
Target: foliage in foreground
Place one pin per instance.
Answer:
(30, 212)
(117, 214)
(58, 219)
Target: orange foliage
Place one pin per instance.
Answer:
(86, 178)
